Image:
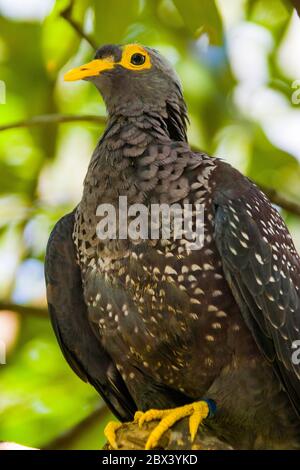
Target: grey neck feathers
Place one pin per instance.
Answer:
(171, 115)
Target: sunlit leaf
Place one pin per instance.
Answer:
(201, 16)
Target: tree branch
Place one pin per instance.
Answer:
(280, 200)
(53, 119)
(25, 310)
(274, 196)
(67, 15)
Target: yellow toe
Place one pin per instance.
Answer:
(138, 415)
(110, 433)
(197, 412)
(151, 415)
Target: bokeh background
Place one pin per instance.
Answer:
(239, 62)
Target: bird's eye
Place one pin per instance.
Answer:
(137, 59)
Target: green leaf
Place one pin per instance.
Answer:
(113, 18)
(201, 16)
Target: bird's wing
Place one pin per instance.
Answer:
(262, 268)
(69, 318)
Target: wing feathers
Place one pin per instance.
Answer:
(263, 271)
(69, 317)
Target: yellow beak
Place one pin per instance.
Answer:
(91, 69)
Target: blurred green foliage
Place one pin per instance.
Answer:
(233, 59)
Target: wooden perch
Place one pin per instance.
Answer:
(130, 437)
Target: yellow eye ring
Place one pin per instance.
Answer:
(135, 57)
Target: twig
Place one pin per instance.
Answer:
(25, 309)
(53, 119)
(67, 15)
(296, 5)
(64, 440)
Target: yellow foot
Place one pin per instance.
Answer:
(197, 412)
(110, 433)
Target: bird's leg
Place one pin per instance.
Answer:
(196, 411)
(110, 433)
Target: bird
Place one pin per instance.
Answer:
(161, 329)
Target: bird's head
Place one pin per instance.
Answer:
(135, 79)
